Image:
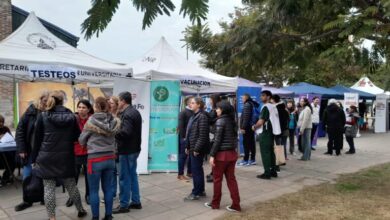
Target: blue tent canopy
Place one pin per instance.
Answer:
(363, 95)
(306, 88)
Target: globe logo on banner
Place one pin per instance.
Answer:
(41, 41)
(160, 93)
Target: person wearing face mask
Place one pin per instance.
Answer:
(25, 132)
(223, 156)
(84, 111)
(197, 146)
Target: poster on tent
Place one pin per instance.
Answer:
(381, 113)
(28, 92)
(350, 99)
(163, 138)
(140, 92)
(254, 92)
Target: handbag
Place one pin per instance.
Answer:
(33, 188)
(279, 155)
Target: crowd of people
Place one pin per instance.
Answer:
(103, 140)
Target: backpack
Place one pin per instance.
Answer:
(255, 115)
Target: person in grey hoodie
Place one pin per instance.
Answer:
(305, 126)
(99, 137)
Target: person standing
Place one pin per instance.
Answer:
(214, 100)
(53, 152)
(351, 128)
(334, 122)
(113, 109)
(283, 120)
(305, 126)
(129, 147)
(266, 138)
(99, 137)
(292, 125)
(197, 146)
(184, 118)
(24, 140)
(84, 111)
(223, 156)
(315, 120)
(248, 134)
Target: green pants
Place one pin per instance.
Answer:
(267, 153)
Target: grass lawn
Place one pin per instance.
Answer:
(362, 195)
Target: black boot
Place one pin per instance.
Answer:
(69, 203)
(22, 206)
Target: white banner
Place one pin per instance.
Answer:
(351, 99)
(140, 92)
(381, 113)
(64, 72)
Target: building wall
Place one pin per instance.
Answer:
(6, 87)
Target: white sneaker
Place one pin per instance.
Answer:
(230, 209)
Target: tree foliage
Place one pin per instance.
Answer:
(102, 11)
(317, 41)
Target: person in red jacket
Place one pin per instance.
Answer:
(84, 111)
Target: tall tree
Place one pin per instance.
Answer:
(316, 41)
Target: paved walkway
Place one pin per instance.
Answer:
(162, 194)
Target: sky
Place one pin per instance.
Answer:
(124, 41)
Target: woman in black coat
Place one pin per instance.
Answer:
(197, 146)
(223, 156)
(53, 155)
(24, 139)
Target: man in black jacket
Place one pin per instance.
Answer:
(184, 117)
(129, 146)
(334, 122)
(247, 132)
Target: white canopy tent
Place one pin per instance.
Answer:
(34, 53)
(162, 62)
(366, 85)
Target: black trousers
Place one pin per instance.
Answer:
(82, 167)
(292, 140)
(335, 140)
(249, 145)
(351, 144)
(313, 133)
(10, 158)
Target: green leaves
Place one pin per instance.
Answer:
(99, 16)
(152, 9)
(102, 11)
(197, 10)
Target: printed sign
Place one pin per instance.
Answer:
(163, 138)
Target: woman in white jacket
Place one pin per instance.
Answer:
(305, 126)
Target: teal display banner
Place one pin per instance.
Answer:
(163, 138)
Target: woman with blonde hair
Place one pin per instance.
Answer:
(114, 103)
(53, 152)
(24, 138)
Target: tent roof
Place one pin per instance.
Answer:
(365, 84)
(162, 62)
(363, 95)
(33, 47)
(278, 91)
(306, 88)
(242, 82)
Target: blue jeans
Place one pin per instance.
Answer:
(183, 157)
(128, 180)
(197, 174)
(306, 144)
(115, 180)
(27, 169)
(103, 171)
